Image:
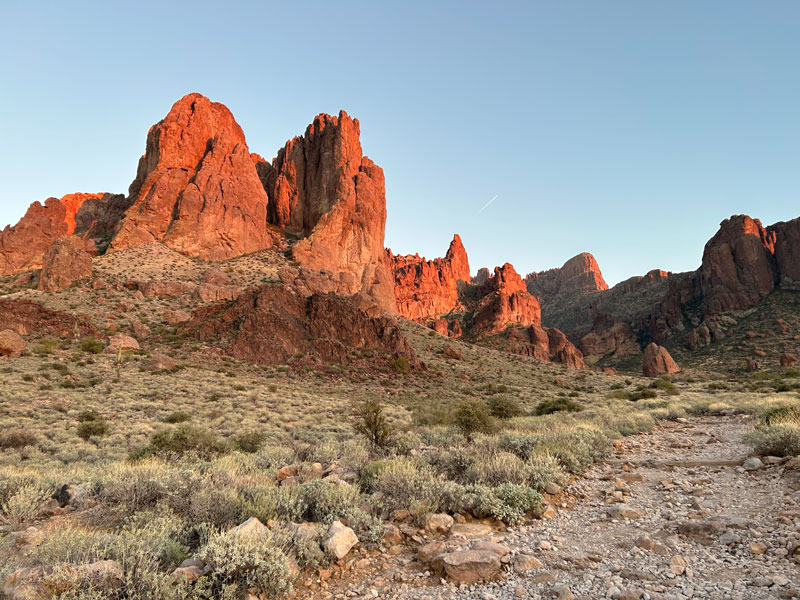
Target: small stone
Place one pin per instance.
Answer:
(340, 540)
(522, 563)
(471, 566)
(470, 530)
(677, 564)
(758, 548)
(429, 551)
(620, 511)
(190, 574)
(566, 594)
(752, 464)
(498, 549)
(439, 522)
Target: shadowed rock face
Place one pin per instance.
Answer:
(742, 263)
(579, 275)
(273, 323)
(323, 189)
(426, 288)
(196, 188)
(64, 263)
(28, 317)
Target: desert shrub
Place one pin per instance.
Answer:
(522, 445)
(249, 441)
(136, 486)
(401, 483)
(473, 416)
(181, 440)
(401, 365)
(508, 502)
(371, 422)
(504, 407)
(269, 502)
(274, 457)
(248, 561)
(642, 394)
(496, 469)
(92, 345)
(663, 383)
(576, 447)
(22, 507)
(781, 439)
(94, 428)
(17, 438)
(404, 443)
(89, 414)
(324, 502)
(304, 548)
(46, 346)
(546, 407)
(781, 413)
(176, 417)
(542, 469)
(618, 394)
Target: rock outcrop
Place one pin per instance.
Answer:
(274, 323)
(426, 288)
(11, 343)
(504, 300)
(89, 216)
(580, 274)
(196, 188)
(29, 317)
(324, 190)
(64, 262)
(657, 361)
(742, 263)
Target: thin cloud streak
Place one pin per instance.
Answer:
(485, 206)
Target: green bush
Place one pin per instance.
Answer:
(22, 507)
(496, 469)
(250, 441)
(248, 561)
(782, 439)
(90, 429)
(17, 438)
(782, 413)
(325, 502)
(371, 422)
(473, 416)
(181, 440)
(176, 417)
(401, 365)
(546, 407)
(92, 345)
(401, 483)
(273, 503)
(46, 346)
(504, 407)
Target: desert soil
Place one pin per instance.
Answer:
(692, 522)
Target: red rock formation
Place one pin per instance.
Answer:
(545, 344)
(738, 267)
(481, 277)
(426, 288)
(580, 274)
(563, 351)
(640, 282)
(65, 262)
(657, 361)
(273, 323)
(196, 188)
(503, 300)
(787, 252)
(322, 188)
(28, 317)
(86, 215)
(11, 343)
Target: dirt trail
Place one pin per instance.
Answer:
(673, 515)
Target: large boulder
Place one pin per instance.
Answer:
(64, 263)
(426, 288)
(339, 540)
(657, 361)
(196, 188)
(11, 343)
(471, 566)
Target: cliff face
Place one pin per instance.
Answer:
(426, 288)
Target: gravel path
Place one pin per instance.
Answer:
(674, 515)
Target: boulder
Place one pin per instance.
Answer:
(657, 361)
(122, 342)
(64, 262)
(471, 566)
(176, 317)
(788, 360)
(161, 362)
(251, 527)
(207, 292)
(11, 343)
(339, 540)
(29, 317)
(427, 552)
(140, 330)
(439, 522)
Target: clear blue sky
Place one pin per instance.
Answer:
(625, 128)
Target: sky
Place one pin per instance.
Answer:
(627, 129)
